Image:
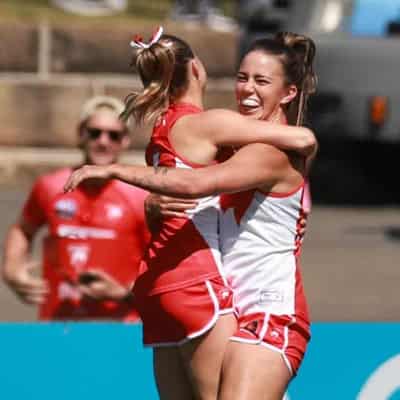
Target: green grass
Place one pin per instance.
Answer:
(36, 10)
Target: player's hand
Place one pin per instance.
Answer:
(303, 226)
(157, 207)
(98, 285)
(87, 172)
(160, 206)
(30, 289)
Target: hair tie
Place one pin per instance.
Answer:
(137, 41)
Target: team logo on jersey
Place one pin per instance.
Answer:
(274, 334)
(224, 293)
(113, 211)
(270, 296)
(78, 255)
(65, 208)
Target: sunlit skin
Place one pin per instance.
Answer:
(261, 90)
(103, 150)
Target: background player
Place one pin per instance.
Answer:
(96, 236)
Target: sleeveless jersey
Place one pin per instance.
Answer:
(90, 228)
(260, 245)
(184, 251)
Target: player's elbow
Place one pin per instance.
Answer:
(308, 143)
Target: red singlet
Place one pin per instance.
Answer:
(90, 228)
(181, 292)
(184, 251)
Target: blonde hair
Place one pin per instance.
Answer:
(162, 68)
(296, 53)
(97, 103)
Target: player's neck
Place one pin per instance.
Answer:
(191, 96)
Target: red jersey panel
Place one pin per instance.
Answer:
(90, 228)
(184, 251)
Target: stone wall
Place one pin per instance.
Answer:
(43, 113)
(95, 48)
(47, 72)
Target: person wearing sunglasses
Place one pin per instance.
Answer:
(96, 236)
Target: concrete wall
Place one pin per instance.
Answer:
(47, 72)
(36, 112)
(98, 48)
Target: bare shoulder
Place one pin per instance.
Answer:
(206, 122)
(217, 114)
(218, 120)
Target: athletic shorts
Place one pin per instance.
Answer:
(175, 317)
(282, 333)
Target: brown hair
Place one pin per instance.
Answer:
(296, 53)
(162, 68)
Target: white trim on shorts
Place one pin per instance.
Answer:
(203, 330)
(226, 311)
(261, 342)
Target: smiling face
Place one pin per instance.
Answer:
(261, 89)
(103, 137)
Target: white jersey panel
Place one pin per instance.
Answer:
(258, 253)
(205, 217)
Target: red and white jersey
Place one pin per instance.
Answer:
(90, 228)
(260, 245)
(184, 251)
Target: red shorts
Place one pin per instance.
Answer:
(282, 333)
(177, 316)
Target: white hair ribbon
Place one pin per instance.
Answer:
(137, 41)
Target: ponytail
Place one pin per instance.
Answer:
(162, 68)
(304, 51)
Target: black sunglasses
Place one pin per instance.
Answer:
(113, 135)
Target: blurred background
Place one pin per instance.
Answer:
(57, 53)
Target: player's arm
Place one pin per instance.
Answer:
(229, 128)
(249, 167)
(17, 267)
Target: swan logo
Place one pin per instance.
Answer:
(79, 255)
(113, 211)
(66, 208)
(384, 383)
